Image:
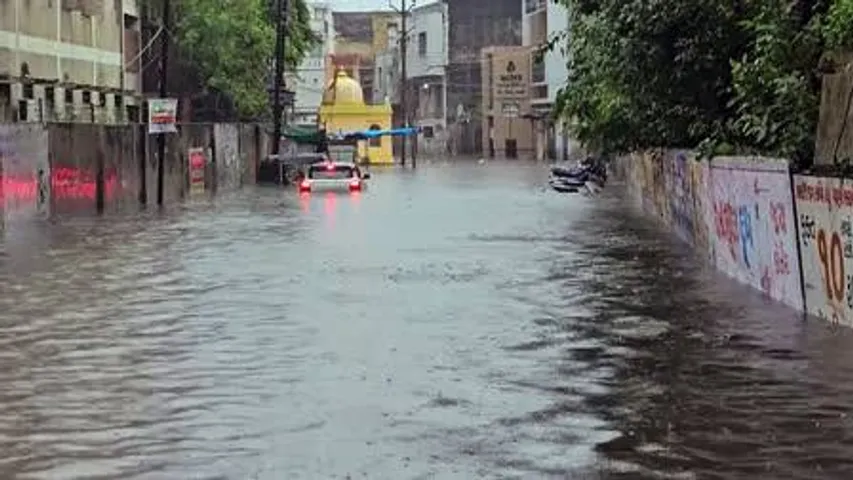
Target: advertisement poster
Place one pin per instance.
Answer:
(752, 225)
(162, 115)
(825, 208)
(198, 162)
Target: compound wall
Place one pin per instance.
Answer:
(60, 169)
(738, 212)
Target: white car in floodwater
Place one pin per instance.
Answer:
(333, 176)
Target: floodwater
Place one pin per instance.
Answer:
(457, 322)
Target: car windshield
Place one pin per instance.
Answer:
(322, 172)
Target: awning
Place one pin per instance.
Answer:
(369, 134)
(306, 134)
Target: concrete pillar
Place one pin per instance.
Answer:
(78, 112)
(60, 108)
(96, 108)
(39, 105)
(540, 140)
(111, 116)
(17, 95)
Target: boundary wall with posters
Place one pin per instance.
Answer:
(59, 169)
(789, 236)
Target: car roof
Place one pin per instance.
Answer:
(337, 164)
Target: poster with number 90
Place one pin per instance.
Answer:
(825, 220)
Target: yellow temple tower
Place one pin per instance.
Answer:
(343, 110)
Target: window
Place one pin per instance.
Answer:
(422, 44)
(531, 6)
(538, 73)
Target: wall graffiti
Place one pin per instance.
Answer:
(23, 152)
(699, 193)
(647, 188)
(660, 195)
(64, 184)
(748, 224)
(825, 208)
(680, 190)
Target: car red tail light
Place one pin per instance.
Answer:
(355, 184)
(305, 186)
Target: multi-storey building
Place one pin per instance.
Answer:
(506, 97)
(360, 36)
(474, 25)
(69, 60)
(426, 75)
(542, 21)
(309, 80)
(387, 66)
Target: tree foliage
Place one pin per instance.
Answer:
(721, 75)
(232, 43)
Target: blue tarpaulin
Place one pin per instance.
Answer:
(368, 134)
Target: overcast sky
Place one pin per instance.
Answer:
(359, 4)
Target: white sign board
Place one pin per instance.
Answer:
(162, 115)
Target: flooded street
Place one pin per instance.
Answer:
(456, 322)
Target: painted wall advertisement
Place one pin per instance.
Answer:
(510, 80)
(825, 209)
(197, 163)
(701, 204)
(752, 225)
(680, 189)
(162, 115)
(26, 173)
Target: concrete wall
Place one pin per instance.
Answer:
(738, 212)
(506, 99)
(54, 170)
(790, 236)
(825, 216)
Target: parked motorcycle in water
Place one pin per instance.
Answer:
(589, 175)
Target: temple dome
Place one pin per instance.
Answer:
(343, 90)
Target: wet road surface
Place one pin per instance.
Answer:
(458, 322)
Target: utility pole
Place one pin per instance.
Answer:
(404, 53)
(164, 92)
(281, 12)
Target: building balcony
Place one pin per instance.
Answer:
(537, 74)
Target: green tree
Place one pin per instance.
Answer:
(231, 44)
(721, 75)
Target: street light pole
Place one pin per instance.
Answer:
(404, 11)
(281, 12)
(164, 92)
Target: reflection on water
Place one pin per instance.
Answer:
(454, 323)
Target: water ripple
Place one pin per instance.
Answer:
(456, 322)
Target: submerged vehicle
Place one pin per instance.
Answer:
(590, 174)
(332, 175)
